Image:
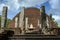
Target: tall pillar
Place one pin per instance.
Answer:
(4, 17)
(42, 16)
(51, 26)
(47, 22)
(21, 20)
(26, 23)
(16, 22)
(39, 25)
(50, 16)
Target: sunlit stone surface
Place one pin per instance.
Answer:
(4, 17)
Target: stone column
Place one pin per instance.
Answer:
(21, 20)
(4, 17)
(51, 26)
(39, 25)
(16, 22)
(47, 22)
(50, 16)
(42, 16)
(26, 23)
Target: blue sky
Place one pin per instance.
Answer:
(14, 6)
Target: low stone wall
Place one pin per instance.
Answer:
(27, 36)
(34, 37)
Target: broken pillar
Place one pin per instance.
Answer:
(42, 16)
(39, 25)
(26, 23)
(50, 16)
(21, 20)
(16, 22)
(4, 17)
(47, 22)
(51, 25)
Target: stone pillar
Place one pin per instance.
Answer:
(26, 23)
(4, 17)
(16, 22)
(21, 20)
(47, 22)
(42, 16)
(39, 25)
(51, 16)
(51, 26)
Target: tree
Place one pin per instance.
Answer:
(8, 21)
(55, 21)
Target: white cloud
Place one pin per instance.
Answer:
(12, 4)
(1, 7)
(55, 9)
(15, 4)
(56, 17)
(29, 3)
(55, 4)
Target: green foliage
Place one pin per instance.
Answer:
(58, 26)
(8, 21)
(55, 21)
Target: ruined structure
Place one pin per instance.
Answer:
(33, 20)
(30, 20)
(27, 22)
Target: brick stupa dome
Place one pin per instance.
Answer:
(32, 14)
